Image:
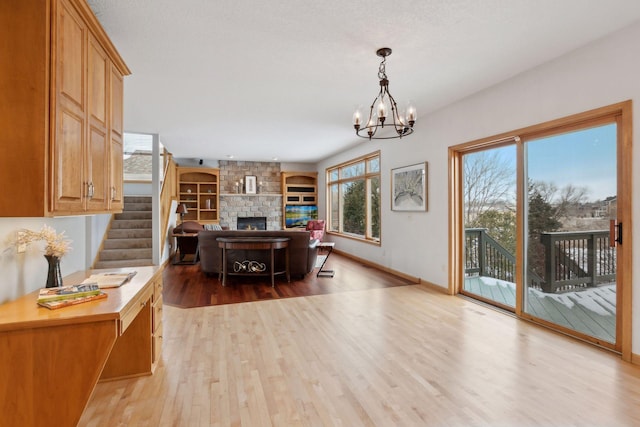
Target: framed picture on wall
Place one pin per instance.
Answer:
(250, 184)
(409, 188)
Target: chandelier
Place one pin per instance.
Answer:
(402, 122)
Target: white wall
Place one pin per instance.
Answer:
(603, 73)
(26, 272)
(138, 189)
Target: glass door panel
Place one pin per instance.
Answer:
(489, 215)
(571, 194)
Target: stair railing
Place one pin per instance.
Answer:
(168, 193)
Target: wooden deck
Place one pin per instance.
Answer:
(592, 311)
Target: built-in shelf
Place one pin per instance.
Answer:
(299, 189)
(250, 195)
(198, 190)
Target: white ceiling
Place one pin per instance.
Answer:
(260, 80)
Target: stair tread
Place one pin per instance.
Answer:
(129, 240)
(124, 263)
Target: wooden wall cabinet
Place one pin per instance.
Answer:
(298, 188)
(61, 107)
(199, 190)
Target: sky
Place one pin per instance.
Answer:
(585, 158)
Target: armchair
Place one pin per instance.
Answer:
(316, 227)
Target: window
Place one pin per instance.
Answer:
(137, 162)
(353, 194)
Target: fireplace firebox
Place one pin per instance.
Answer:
(251, 223)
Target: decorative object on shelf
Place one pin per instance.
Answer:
(402, 123)
(237, 185)
(54, 275)
(182, 210)
(207, 204)
(259, 189)
(250, 184)
(409, 188)
(56, 246)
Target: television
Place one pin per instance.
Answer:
(299, 215)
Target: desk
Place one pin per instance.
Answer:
(186, 244)
(329, 247)
(270, 244)
(51, 360)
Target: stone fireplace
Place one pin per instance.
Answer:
(234, 206)
(267, 203)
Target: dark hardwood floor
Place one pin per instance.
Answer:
(186, 286)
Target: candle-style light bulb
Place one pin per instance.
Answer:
(382, 110)
(357, 119)
(411, 115)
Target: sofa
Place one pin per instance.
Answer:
(302, 250)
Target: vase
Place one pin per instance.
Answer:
(54, 276)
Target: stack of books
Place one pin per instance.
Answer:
(63, 296)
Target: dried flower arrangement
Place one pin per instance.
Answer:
(55, 243)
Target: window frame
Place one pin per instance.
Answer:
(367, 175)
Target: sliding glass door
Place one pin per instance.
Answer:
(571, 196)
(489, 214)
(537, 224)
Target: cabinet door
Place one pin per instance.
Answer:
(117, 200)
(117, 91)
(67, 147)
(116, 167)
(97, 159)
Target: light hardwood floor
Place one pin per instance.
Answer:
(401, 356)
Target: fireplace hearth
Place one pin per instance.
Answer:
(251, 223)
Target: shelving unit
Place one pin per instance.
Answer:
(298, 188)
(198, 190)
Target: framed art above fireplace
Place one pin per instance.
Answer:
(250, 184)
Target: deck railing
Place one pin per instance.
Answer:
(485, 257)
(571, 260)
(577, 260)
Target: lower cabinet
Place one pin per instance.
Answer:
(156, 320)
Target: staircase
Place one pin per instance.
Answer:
(129, 242)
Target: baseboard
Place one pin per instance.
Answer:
(434, 287)
(366, 262)
(635, 359)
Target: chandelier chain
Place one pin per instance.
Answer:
(382, 73)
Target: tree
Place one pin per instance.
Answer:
(501, 225)
(355, 204)
(542, 217)
(488, 184)
(562, 199)
(354, 207)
